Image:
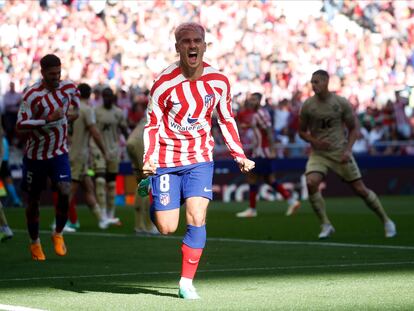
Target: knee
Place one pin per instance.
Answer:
(166, 229)
(312, 185)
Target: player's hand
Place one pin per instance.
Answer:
(149, 168)
(245, 165)
(346, 156)
(55, 115)
(321, 145)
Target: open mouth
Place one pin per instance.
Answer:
(192, 57)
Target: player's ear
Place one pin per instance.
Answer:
(205, 47)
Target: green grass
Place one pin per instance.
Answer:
(271, 262)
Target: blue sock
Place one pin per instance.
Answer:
(195, 237)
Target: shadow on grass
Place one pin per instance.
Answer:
(80, 288)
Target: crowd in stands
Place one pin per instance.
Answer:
(270, 47)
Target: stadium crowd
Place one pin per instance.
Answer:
(262, 46)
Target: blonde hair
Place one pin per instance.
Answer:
(190, 26)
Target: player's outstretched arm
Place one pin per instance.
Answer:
(245, 165)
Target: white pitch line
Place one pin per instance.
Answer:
(246, 241)
(247, 269)
(17, 308)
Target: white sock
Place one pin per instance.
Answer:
(36, 241)
(186, 282)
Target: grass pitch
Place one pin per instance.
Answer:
(271, 262)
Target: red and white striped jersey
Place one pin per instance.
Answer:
(49, 140)
(261, 122)
(178, 130)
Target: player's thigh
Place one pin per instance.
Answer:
(317, 164)
(349, 171)
(79, 168)
(198, 181)
(59, 168)
(166, 190)
(34, 176)
(167, 220)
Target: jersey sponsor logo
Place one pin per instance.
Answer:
(186, 128)
(165, 198)
(191, 120)
(208, 100)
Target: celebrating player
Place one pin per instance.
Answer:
(179, 143)
(44, 116)
(263, 153)
(322, 120)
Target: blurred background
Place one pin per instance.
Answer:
(270, 47)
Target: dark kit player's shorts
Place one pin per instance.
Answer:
(264, 166)
(36, 172)
(172, 185)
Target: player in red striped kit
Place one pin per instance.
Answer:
(179, 143)
(43, 117)
(263, 153)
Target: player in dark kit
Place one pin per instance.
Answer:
(322, 121)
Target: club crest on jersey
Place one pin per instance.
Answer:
(208, 100)
(165, 198)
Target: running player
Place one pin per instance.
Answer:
(179, 143)
(263, 155)
(44, 116)
(322, 121)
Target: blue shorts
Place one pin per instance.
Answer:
(172, 185)
(264, 166)
(36, 172)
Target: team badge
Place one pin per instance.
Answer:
(208, 100)
(165, 198)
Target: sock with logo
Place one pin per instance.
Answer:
(252, 195)
(192, 248)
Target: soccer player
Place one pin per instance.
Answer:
(81, 130)
(135, 149)
(44, 116)
(263, 153)
(110, 121)
(5, 231)
(179, 143)
(323, 120)
(5, 175)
